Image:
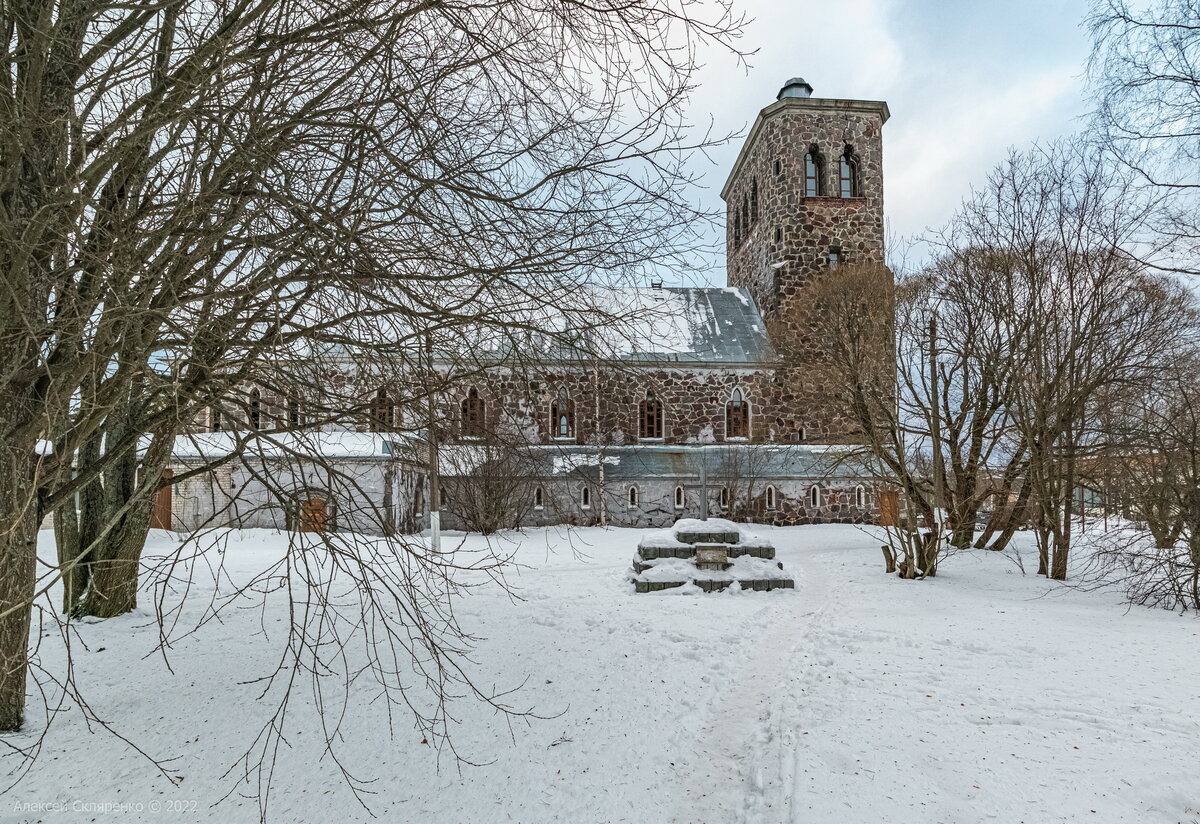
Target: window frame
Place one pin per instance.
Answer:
(472, 420)
(848, 169)
(658, 421)
(585, 497)
(771, 496)
(816, 500)
(680, 497)
(738, 404)
(813, 184)
(860, 496)
(539, 499)
(561, 406)
(632, 498)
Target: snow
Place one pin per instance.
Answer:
(742, 568)
(320, 443)
(982, 695)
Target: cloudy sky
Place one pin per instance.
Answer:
(965, 80)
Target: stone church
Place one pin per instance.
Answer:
(700, 409)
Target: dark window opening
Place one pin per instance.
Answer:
(562, 418)
(473, 415)
(812, 173)
(383, 412)
(650, 418)
(779, 234)
(754, 200)
(737, 416)
(255, 411)
(849, 174)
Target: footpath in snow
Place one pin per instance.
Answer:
(983, 695)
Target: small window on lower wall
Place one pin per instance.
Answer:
(539, 498)
(632, 498)
(814, 497)
(679, 497)
(723, 498)
(585, 498)
(772, 498)
(860, 496)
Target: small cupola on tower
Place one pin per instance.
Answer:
(796, 87)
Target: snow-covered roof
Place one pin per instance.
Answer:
(645, 461)
(289, 444)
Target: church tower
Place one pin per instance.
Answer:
(805, 196)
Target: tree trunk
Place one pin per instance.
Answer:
(18, 560)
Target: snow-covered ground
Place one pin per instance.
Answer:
(983, 695)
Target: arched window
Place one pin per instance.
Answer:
(632, 498)
(812, 173)
(474, 413)
(295, 412)
(650, 418)
(254, 413)
(860, 496)
(737, 416)
(754, 200)
(772, 498)
(562, 417)
(680, 499)
(539, 498)
(214, 419)
(585, 497)
(723, 498)
(814, 497)
(383, 412)
(848, 174)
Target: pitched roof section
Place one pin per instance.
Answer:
(710, 325)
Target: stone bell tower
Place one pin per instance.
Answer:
(805, 196)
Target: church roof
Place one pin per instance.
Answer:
(702, 325)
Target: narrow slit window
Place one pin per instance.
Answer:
(650, 418)
(814, 496)
(812, 173)
(860, 496)
(849, 174)
(737, 416)
(255, 411)
(772, 498)
(633, 497)
(539, 498)
(585, 498)
(679, 497)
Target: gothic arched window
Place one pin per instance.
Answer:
(633, 497)
(680, 498)
(383, 412)
(254, 413)
(848, 174)
(650, 418)
(474, 414)
(737, 416)
(812, 173)
(539, 498)
(772, 498)
(295, 412)
(562, 417)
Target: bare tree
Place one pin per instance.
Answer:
(189, 191)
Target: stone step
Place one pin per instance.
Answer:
(756, 584)
(651, 553)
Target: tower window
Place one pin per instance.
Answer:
(772, 498)
(632, 499)
(779, 234)
(849, 174)
(680, 500)
(737, 416)
(214, 419)
(562, 417)
(650, 418)
(778, 169)
(812, 173)
(474, 413)
(754, 200)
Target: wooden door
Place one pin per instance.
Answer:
(889, 508)
(160, 513)
(313, 515)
